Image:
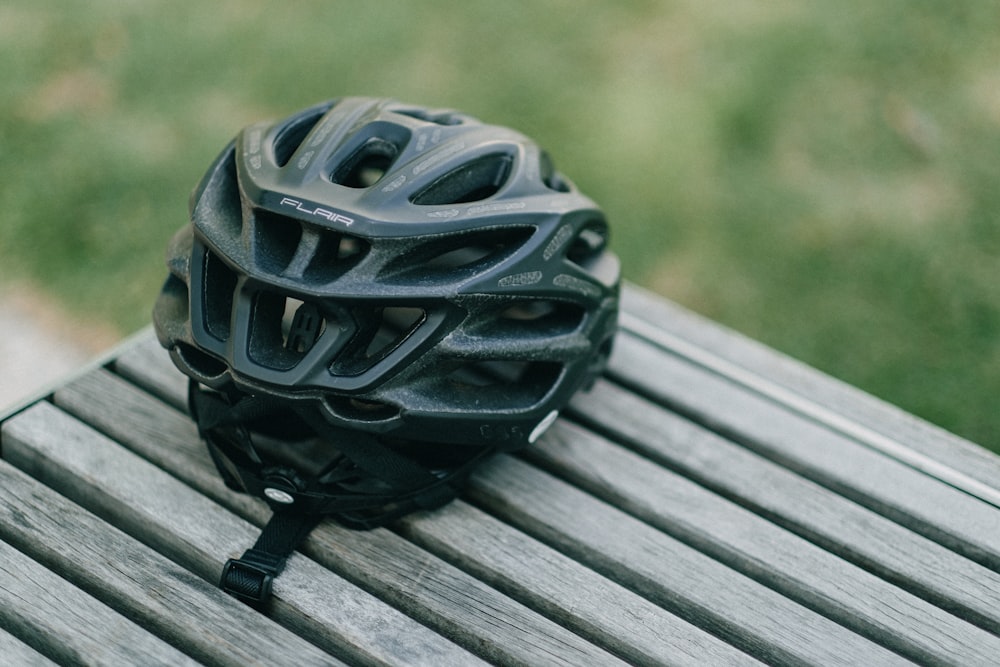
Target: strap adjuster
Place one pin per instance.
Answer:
(250, 578)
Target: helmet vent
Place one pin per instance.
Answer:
(335, 254)
(217, 300)
(441, 118)
(396, 325)
(301, 325)
(511, 384)
(367, 165)
(201, 364)
(474, 181)
(284, 329)
(541, 317)
(588, 244)
(552, 179)
(459, 256)
(356, 409)
(292, 136)
(276, 238)
(381, 331)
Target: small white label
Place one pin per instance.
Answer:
(279, 496)
(543, 426)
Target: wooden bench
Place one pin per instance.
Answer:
(708, 502)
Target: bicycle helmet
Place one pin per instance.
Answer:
(372, 297)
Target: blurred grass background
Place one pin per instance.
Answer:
(820, 176)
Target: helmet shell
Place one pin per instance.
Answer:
(411, 272)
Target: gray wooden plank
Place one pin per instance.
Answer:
(920, 502)
(15, 652)
(762, 550)
(148, 365)
(686, 582)
(843, 527)
(874, 415)
(77, 629)
(588, 603)
(155, 507)
(442, 596)
(139, 583)
(171, 440)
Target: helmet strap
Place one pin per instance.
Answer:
(403, 485)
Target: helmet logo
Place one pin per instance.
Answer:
(318, 211)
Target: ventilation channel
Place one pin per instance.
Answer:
(588, 244)
(367, 165)
(506, 384)
(284, 329)
(276, 238)
(459, 256)
(440, 118)
(381, 330)
(335, 254)
(219, 285)
(292, 136)
(474, 181)
(540, 317)
(552, 179)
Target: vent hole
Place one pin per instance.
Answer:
(293, 134)
(335, 255)
(552, 179)
(276, 238)
(588, 244)
(440, 118)
(541, 318)
(357, 409)
(459, 256)
(284, 329)
(301, 326)
(203, 365)
(396, 325)
(381, 331)
(502, 384)
(367, 165)
(219, 285)
(474, 181)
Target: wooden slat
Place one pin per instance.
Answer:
(138, 582)
(666, 571)
(808, 509)
(806, 383)
(169, 438)
(151, 505)
(377, 560)
(590, 604)
(77, 629)
(16, 652)
(776, 639)
(909, 497)
(148, 365)
(763, 551)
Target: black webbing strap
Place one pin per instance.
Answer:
(249, 577)
(403, 485)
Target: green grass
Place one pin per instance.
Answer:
(820, 176)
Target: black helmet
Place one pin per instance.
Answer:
(372, 296)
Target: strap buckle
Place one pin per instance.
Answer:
(250, 577)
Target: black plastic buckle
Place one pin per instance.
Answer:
(249, 578)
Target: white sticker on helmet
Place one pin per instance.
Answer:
(543, 426)
(279, 496)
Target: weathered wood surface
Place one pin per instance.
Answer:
(708, 502)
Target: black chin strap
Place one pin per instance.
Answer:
(392, 485)
(249, 577)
